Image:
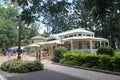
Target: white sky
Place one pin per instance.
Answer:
(42, 29)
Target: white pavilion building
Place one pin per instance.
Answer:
(74, 40)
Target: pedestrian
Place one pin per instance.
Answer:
(9, 51)
(14, 52)
(23, 52)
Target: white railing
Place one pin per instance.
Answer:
(87, 50)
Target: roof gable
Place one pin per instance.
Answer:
(38, 37)
(79, 30)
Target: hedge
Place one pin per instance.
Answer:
(104, 62)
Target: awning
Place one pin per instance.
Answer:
(33, 45)
(50, 42)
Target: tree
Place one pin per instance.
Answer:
(28, 32)
(96, 15)
(8, 29)
(105, 15)
(55, 14)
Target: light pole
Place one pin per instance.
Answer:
(19, 37)
(110, 39)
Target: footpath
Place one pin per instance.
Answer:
(58, 72)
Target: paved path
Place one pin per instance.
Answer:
(6, 58)
(58, 72)
(81, 73)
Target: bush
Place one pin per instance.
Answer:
(106, 51)
(21, 66)
(30, 50)
(103, 62)
(58, 53)
(117, 53)
(34, 65)
(3, 51)
(90, 61)
(116, 64)
(81, 59)
(67, 62)
(106, 62)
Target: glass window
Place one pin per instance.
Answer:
(83, 34)
(88, 45)
(80, 46)
(65, 36)
(32, 41)
(70, 35)
(75, 35)
(79, 34)
(88, 35)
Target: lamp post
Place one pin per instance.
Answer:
(110, 39)
(19, 37)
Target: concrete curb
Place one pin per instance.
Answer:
(2, 77)
(91, 69)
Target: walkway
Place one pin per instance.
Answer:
(58, 72)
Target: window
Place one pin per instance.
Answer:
(79, 34)
(88, 45)
(32, 41)
(88, 35)
(65, 36)
(70, 35)
(83, 34)
(51, 39)
(75, 35)
(80, 46)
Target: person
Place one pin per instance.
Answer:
(14, 51)
(9, 51)
(23, 52)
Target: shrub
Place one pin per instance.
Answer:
(21, 66)
(58, 53)
(116, 64)
(106, 51)
(3, 51)
(67, 62)
(30, 50)
(104, 62)
(90, 61)
(34, 65)
(117, 53)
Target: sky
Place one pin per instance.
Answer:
(1, 1)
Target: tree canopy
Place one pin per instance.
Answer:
(8, 29)
(99, 16)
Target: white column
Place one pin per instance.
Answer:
(104, 44)
(49, 50)
(91, 49)
(71, 45)
(108, 43)
(100, 43)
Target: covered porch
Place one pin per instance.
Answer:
(47, 48)
(85, 44)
